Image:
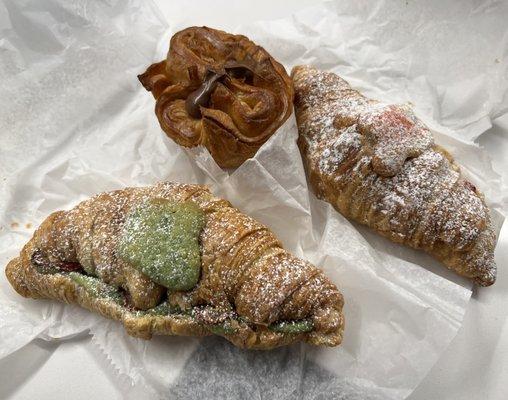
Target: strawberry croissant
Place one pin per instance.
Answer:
(378, 165)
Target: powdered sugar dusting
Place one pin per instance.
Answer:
(339, 150)
(378, 164)
(245, 273)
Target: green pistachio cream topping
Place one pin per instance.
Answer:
(294, 327)
(96, 287)
(223, 328)
(161, 239)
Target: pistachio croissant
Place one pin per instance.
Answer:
(221, 91)
(173, 259)
(378, 165)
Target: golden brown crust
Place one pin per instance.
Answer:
(377, 164)
(244, 106)
(244, 271)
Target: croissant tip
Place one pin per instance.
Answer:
(12, 271)
(485, 280)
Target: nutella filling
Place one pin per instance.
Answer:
(201, 96)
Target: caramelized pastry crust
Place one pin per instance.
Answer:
(221, 91)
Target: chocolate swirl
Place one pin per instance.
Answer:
(221, 91)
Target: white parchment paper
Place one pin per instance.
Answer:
(75, 121)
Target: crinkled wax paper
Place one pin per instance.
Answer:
(75, 121)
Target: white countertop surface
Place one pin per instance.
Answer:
(475, 366)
